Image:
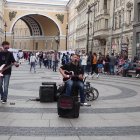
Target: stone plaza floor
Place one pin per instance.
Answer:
(115, 115)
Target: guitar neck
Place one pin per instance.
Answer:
(7, 67)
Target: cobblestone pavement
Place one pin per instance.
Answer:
(115, 115)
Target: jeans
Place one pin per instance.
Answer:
(94, 69)
(4, 84)
(49, 64)
(32, 66)
(84, 68)
(111, 69)
(79, 85)
(88, 69)
(55, 63)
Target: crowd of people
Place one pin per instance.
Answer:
(93, 64)
(110, 64)
(90, 63)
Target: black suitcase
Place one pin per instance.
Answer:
(46, 93)
(55, 88)
(68, 107)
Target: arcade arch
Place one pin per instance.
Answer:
(35, 32)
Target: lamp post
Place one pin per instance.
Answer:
(112, 27)
(93, 28)
(5, 25)
(122, 30)
(66, 37)
(88, 13)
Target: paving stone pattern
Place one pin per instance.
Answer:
(115, 115)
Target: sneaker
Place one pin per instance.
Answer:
(85, 104)
(92, 76)
(137, 75)
(97, 75)
(4, 101)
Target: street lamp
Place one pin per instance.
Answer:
(122, 30)
(66, 37)
(93, 27)
(88, 12)
(5, 25)
(112, 26)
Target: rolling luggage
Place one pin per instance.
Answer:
(68, 106)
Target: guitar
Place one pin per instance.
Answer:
(3, 68)
(70, 74)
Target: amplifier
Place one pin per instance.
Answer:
(46, 93)
(55, 88)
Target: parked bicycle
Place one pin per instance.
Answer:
(91, 93)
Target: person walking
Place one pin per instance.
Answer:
(6, 61)
(106, 64)
(55, 60)
(33, 61)
(94, 65)
(112, 63)
(84, 61)
(89, 62)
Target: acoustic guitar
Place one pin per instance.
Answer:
(70, 74)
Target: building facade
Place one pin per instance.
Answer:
(93, 25)
(136, 25)
(72, 24)
(2, 22)
(34, 25)
(121, 38)
(103, 25)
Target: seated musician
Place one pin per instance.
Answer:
(76, 77)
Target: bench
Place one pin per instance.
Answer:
(131, 73)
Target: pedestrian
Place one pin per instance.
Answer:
(94, 65)
(84, 61)
(89, 62)
(112, 63)
(106, 64)
(33, 61)
(40, 57)
(6, 61)
(55, 60)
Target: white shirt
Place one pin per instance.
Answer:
(84, 60)
(33, 58)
